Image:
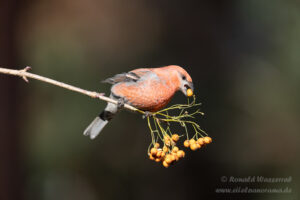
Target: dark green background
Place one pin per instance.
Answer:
(242, 55)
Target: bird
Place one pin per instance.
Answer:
(147, 89)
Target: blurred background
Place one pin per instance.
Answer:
(242, 55)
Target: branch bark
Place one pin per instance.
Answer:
(23, 73)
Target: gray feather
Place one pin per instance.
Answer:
(100, 121)
(95, 127)
(124, 77)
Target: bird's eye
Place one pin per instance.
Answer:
(183, 77)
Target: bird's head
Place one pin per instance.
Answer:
(185, 84)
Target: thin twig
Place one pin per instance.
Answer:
(23, 73)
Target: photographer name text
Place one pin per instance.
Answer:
(256, 179)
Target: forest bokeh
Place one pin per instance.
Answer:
(242, 55)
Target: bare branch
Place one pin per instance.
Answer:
(24, 74)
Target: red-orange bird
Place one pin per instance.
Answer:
(148, 89)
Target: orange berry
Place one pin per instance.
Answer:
(167, 140)
(200, 141)
(168, 159)
(198, 145)
(189, 92)
(207, 140)
(186, 143)
(175, 137)
(165, 164)
(173, 157)
(194, 147)
(176, 157)
(166, 137)
(156, 145)
(175, 149)
(163, 154)
(180, 154)
(157, 159)
(151, 157)
(153, 151)
(159, 153)
(192, 141)
(165, 149)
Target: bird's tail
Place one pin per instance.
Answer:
(98, 124)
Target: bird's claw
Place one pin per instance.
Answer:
(121, 103)
(147, 114)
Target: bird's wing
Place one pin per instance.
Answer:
(141, 72)
(131, 76)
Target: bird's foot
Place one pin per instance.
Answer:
(121, 103)
(147, 114)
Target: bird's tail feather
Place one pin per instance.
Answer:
(95, 127)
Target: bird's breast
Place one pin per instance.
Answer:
(149, 94)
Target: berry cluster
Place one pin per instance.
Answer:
(170, 153)
(197, 144)
(160, 127)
